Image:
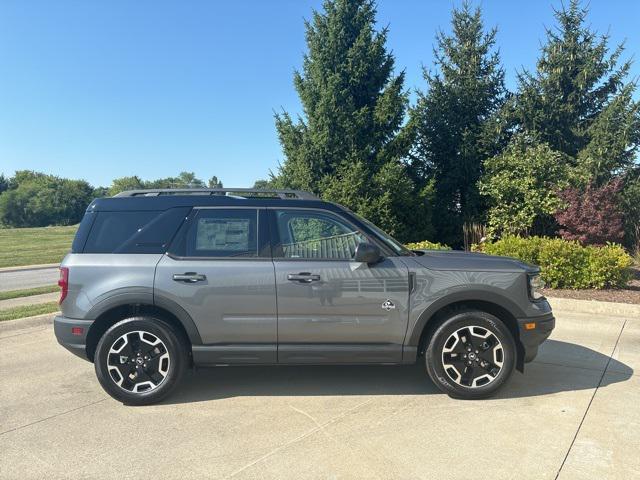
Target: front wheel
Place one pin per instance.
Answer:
(140, 360)
(471, 355)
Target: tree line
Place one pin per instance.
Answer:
(556, 156)
(34, 199)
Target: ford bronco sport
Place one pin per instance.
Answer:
(160, 280)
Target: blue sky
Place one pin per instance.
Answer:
(99, 90)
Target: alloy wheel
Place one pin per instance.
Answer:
(138, 361)
(472, 356)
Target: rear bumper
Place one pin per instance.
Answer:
(531, 338)
(71, 333)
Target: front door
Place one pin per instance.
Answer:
(332, 309)
(220, 271)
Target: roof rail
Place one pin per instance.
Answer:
(242, 192)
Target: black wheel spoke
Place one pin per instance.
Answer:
(468, 376)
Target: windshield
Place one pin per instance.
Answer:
(387, 239)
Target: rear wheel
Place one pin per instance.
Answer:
(140, 360)
(471, 355)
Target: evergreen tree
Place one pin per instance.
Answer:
(578, 104)
(455, 121)
(348, 146)
(577, 101)
(215, 183)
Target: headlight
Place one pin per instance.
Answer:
(535, 285)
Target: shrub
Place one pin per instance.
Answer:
(567, 264)
(427, 245)
(522, 185)
(563, 263)
(525, 249)
(609, 266)
(593, 215)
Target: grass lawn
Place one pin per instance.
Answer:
(28, 311)
(28, 292)
(31, 246)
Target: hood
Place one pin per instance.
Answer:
(468, 261)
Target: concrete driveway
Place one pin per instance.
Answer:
(575, 413)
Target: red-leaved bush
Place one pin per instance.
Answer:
(593, 215)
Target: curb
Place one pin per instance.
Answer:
(42, 266)
(27, 322)
(594, 306)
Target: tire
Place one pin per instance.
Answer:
(470, 355)
(140, 360)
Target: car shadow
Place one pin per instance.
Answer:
(559, 367)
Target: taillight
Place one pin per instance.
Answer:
(63, 283)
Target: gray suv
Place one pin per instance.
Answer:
(160, 280)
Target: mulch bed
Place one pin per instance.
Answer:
(631, 294)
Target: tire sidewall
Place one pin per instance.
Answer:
(161, 330)
(433, 354)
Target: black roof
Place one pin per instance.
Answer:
(203, 198)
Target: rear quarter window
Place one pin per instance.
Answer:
(134, 231)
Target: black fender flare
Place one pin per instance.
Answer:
(148, 298)
(485, 296)
(182, 315)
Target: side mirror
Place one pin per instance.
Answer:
(367, 253)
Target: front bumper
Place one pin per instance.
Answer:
(532, 337)
(71, 333)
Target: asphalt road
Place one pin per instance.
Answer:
(575, 413)
(22, 279)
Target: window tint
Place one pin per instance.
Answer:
(112, 229)
(223, 233)
(311, 234)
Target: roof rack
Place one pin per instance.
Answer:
(241, 192)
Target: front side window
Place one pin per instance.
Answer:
(223, 233)
(315, 235)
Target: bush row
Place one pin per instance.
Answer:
(427, 245)
(567, 264)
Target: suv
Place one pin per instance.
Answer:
(160, 280)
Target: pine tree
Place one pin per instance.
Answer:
(577, 101)
(348, 146)
(578, 104)
(455, 121)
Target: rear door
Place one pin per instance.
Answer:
(220, 271)
(332, 309)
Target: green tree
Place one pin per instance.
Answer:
(523, 185)
(579, 101)
(36, 200)
(579, 104)
(454, 121)
(4, 183)
(125, 183)
(183, 180)
(348, 145)
(215, 183)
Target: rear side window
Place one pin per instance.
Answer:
(223, 233)
(134, 231)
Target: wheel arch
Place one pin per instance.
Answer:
(432, 317)
(114, 311)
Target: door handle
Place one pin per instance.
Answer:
(189, 277)
(303, 277)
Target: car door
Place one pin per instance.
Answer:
(219, 270)
(332, 309)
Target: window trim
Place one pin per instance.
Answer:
(276, 241)
(263, 243)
